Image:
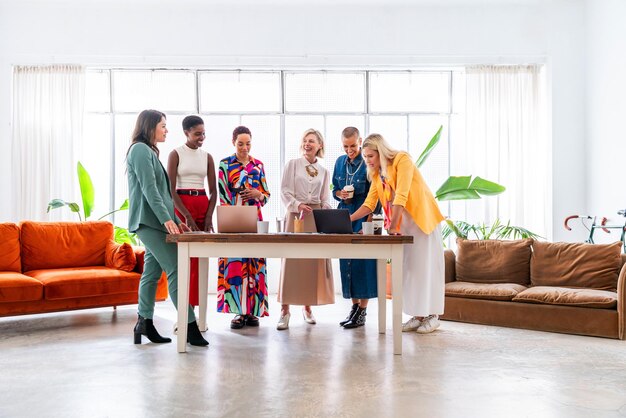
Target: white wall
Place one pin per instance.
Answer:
(606, 108)
(188, 33)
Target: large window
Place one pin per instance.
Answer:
(406, 107)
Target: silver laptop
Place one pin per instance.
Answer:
(236, 218)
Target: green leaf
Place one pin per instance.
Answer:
(486, 187)
(431, 145)
(55, 204)
(86, 190)
(124, 205)
(462, 188)
(123, 236)
(59, 203)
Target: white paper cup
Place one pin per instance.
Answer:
(262, 227)
(368, 228)
(350, 189)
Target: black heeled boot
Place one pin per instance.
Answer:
(194, 337)
(350, 315)
(146, 327)
(358, 319)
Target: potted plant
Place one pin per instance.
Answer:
(87, 192)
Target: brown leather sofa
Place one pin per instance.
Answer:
(557, 287)
(58, 266)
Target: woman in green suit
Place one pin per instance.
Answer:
(151, 216)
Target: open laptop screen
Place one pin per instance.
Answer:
(332, 221)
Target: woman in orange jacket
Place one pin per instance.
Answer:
(410, 209)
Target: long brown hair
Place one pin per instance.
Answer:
(145, 127)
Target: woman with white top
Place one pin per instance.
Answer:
(305, 186)
(187, 167)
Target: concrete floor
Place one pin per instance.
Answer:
(83, 364)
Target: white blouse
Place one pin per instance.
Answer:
(300, 185)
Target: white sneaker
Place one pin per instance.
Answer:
(283, 322)
(411, 325)
(428, 325)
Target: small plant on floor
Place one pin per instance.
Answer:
(87, 192)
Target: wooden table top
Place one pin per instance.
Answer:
(291, 238)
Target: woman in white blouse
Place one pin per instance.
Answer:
(305, 186)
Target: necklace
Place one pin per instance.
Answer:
(350, 175)
(311, 170)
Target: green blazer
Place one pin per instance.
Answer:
(149, 194)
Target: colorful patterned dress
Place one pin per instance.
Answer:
(241, 285)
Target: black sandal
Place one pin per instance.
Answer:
(238, 322)
(252, 321)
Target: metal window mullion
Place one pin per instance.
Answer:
(112, 173)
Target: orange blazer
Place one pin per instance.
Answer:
(411, 192)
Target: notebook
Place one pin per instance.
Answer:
(332, 221)
(236, 218)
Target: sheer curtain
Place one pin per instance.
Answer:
(506, 141)
(47, 128)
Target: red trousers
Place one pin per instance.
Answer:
(197, 207)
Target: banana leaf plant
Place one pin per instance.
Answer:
(87, 192)
(459, 187)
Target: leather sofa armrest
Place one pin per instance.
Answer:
(621, 303)
(450, 265)
(140, 252)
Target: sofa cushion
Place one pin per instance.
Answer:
(588, 298)
(16, 287)
(563, 264)
(85, 281)
(10, 248)
(493, 261)
(492, 291)
(120, 256)
(51, 245)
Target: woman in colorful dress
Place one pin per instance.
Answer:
(241, 283)
(305, 186)
(410, 209)
(187, 167)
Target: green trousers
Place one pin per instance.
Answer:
(160, 256)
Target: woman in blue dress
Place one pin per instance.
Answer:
(358, 277)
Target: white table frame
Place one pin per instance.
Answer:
(205, 246)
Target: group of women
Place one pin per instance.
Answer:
(176, 201)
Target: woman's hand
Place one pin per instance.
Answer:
(250, 194)
(191, 223)
(208, 226)
(171, 227)
(394, 231)
(184, 228)
(342, 194)
(305, 209)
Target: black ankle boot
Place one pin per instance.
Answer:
(146, 327)
(358, 319)
(194, 337)
(350, 315)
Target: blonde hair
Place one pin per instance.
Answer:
(320, 139)
(386, 154)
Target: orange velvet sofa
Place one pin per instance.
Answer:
(58, 266)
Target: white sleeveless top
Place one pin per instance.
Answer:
(192, 167)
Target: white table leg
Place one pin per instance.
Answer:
(183, 295)
(396, 288)
(381, 265)
(203, 285)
